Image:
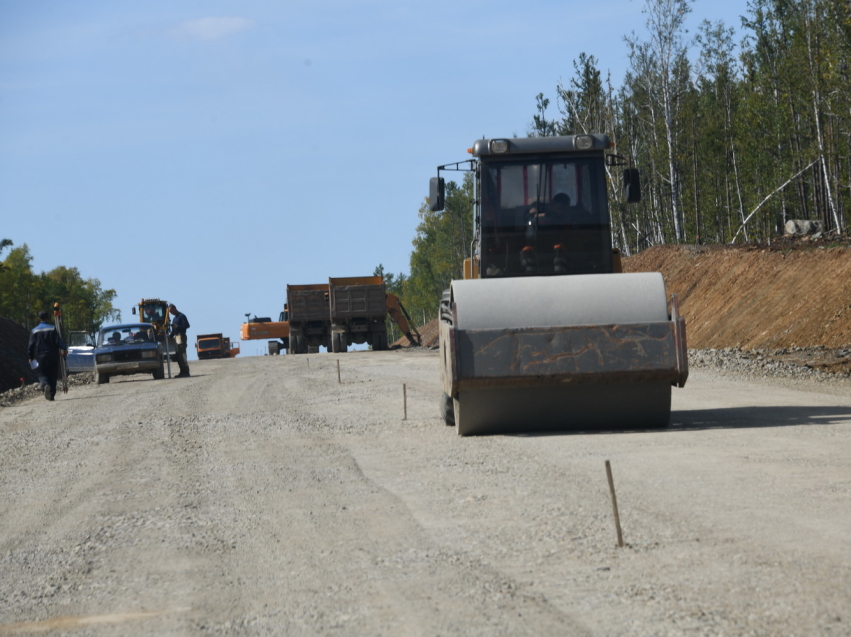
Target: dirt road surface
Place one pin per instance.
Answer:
(260, 497)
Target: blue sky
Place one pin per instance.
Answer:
(211, 152)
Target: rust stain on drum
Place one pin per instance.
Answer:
(568, 354)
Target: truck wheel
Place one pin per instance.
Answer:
(313, 349)
(103, 379)
(379, 340)
(160, 373)
(273, 348)
(295, 344)
(338, 343)
(300, 345)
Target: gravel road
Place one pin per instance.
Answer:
(261, 497)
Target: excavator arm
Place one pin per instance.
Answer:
(399, 314)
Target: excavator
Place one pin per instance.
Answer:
(265, 328)
(545, 331)
(401, 317)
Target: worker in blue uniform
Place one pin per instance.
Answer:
(46, 347)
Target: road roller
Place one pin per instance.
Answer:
(545, 332)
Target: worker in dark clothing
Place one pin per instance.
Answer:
(179, 325)
(45, 347)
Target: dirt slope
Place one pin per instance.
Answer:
(795, 294)
(757, 297)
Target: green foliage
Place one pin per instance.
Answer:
(442, 242)
(23, 294)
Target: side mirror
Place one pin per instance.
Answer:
(133, 309)
(631, 185)
(436, 189)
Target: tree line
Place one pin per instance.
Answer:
(734, 134)
(86, 306)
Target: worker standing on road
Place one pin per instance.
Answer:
(45, 347)
(179, 325)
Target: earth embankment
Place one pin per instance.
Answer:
(796, 294)
(756, 298)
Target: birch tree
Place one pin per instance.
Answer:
(667, 51)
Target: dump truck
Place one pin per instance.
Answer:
(545, 332)
(309, 318)
(276, 332)
(215, 346)
(358, 308)
(232, 349)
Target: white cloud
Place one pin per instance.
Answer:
(212, 28)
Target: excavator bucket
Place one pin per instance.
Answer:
(560, 353)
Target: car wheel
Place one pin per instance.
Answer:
(103, 379)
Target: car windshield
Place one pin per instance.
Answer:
(126, 335)
(544, 216)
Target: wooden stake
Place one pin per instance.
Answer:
(614, 503)
(338, 371)
(308, 363)
(405, 400)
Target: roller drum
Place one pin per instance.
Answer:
(585, 299)
(516, 310)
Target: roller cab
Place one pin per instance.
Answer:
(544, 333)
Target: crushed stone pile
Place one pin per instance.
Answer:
(13, 396)
(429, 334)
(816, 363)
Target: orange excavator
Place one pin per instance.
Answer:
(401, 317)
(264, 328)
